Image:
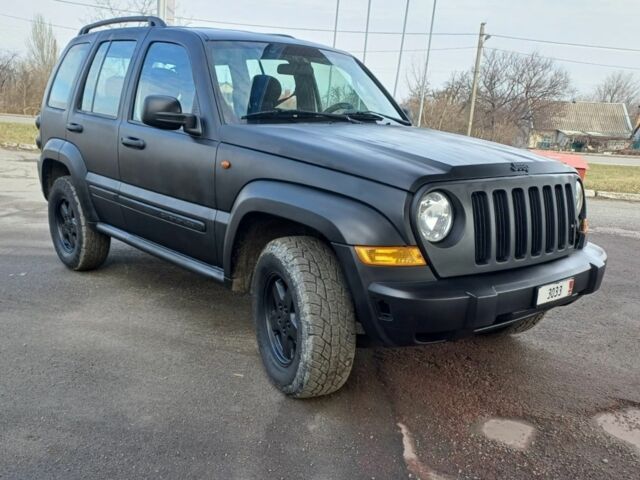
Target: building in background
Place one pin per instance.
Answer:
(582, 126)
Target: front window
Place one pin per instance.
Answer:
(258, 77)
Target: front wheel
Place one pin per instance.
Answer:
(78, 246)
(304, 317)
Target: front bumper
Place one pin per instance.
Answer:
(411, 311)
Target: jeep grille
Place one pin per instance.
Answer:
(531, 218)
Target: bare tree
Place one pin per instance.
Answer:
(119, 8)
(42, 46)
(513, 89)
(23, 80)
(619, 87)
(8, 74)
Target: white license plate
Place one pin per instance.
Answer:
(554, 291)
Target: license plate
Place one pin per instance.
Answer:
(554, 291)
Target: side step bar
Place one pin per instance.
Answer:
(215, 273)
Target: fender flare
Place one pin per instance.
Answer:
(339, 219)
(68, 154)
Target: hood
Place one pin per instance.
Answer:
(399, 156)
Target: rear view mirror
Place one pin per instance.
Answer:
(162, 111)
(295, 69)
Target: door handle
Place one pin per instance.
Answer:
(133, 142)
(74, 127)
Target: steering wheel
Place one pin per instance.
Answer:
(339, 106)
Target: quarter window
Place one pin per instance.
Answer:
(66, 75)
(166, 71)
(105, 80)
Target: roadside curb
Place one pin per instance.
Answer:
(628, 197)
(19, 146)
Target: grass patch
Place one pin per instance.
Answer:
(613, 178)
(18, 133)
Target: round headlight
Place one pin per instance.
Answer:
(435, 216)
(579, 197)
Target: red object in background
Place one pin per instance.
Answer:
(573, 160)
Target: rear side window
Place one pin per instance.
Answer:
(105, 81)
(66, 75)
(166, 71)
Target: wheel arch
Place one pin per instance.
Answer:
(58, 158)
(265, 210)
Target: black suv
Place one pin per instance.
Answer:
(285, 169)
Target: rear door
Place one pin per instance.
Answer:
(94, 120)
(167, 191)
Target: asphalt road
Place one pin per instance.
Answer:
(14, 118)
(624, 160)
(143, 370)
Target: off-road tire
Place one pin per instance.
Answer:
(325, 333)
(88, 248)
(518, 327)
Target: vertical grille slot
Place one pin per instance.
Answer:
(501, 206)
(536, 221)
(571, 209)
(562, 218)
(520, 218)
(550, 219)
(482, 226)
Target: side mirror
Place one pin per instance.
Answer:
(165, 112)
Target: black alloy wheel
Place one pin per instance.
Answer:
(66, 226)
(281, 319)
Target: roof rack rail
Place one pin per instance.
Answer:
(152, 21)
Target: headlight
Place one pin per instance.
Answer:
(579, 197)
(435, 216)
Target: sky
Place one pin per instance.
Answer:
(595, 22)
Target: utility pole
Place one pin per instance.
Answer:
(366, 33)
(404, 31)
(476, 73)
(423, 85)
(335, 26)
(166, 10)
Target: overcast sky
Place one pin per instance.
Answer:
(600, 22)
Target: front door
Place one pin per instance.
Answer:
(167, 189)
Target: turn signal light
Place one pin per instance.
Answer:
(584, 226)
(391, 256)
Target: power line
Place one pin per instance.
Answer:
(262, 25)
(568, 44)
(414, 50)
(330, 30)
(623, 67)
(30, 20)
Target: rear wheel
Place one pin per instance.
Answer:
(78, 246)
(304, 317)
(517, 327)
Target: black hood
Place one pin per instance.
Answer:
(403, 157)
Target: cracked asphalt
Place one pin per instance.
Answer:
(143, 370)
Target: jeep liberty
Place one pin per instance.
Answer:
(283, 168)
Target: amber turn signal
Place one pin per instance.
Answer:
(584, 226)
(391, 256)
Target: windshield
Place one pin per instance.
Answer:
(255, 77)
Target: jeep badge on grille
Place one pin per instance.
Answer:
(519, 167)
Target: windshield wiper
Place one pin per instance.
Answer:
(296, 115)
(370, 114)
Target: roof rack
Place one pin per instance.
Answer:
(152, 21)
